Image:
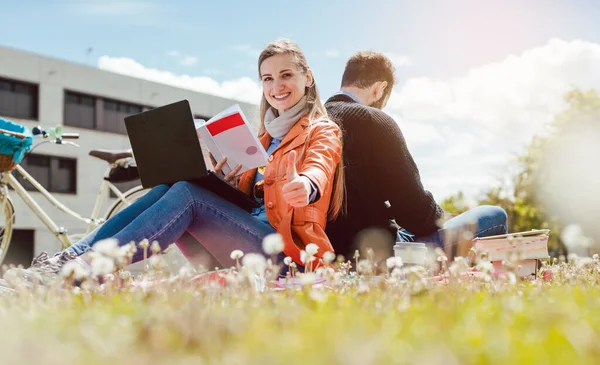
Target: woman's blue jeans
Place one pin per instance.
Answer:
(482, 221)
(165, 213)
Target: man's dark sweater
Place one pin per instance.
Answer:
(378, 168)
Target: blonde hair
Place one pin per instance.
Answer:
(316, 111)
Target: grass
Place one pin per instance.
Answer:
(479, 320)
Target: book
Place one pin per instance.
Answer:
(527, 268)
(229, 134)
(528, 245)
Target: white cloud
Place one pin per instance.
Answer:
(173, 54)
(332, 53)
(399, 60)
(463, 131)
(242, 89)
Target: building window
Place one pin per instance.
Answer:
(56, 174)
(80, 110)
(20, 251)
(18, 99)
(115, 113)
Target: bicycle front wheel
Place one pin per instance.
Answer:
(7, 221)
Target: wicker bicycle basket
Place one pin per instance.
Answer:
(6, 163)
(15, 141)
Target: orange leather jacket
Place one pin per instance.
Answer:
(319, 150)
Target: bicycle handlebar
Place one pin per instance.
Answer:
(70, 136)
(37, 131)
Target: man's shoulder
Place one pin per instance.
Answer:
(350, 113)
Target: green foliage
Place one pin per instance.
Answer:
(462, 322)
(520, 197)
(455, 204)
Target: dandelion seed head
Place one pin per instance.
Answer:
(75, 270)
(102, 265)
(231, 278)
(485, 267)
(364, 267)
(328, 257)
(306, 258)
(311, 249)
(236, 254)
(124, 251)
(108, 247)
(132, 247)
(287, 260)
(272, 244)
(144, 244)
(255, 263)
(109, 277)
(155, 247)
(393, 262)
(397, 273)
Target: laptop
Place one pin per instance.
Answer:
(167, 150)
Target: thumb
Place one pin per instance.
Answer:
(291, 166)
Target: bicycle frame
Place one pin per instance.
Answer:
(59, 232)
(105, 186)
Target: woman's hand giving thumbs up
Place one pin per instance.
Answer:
(297, 190)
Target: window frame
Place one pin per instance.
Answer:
(102, 107)
(34, 94)
(52, 168)
(79, 95)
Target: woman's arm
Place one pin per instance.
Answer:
(321, 155)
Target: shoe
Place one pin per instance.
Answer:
(43, 269)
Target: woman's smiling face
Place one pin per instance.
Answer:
(284, 84)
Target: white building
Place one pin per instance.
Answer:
(38, 90)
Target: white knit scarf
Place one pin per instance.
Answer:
(279, 125)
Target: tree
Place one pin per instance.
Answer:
(537, 195)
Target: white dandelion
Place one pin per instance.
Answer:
(272, 244)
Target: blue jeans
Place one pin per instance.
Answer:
(482, 221)
(165, 213)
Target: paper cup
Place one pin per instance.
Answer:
(411, 253)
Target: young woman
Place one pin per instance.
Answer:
(299, 189)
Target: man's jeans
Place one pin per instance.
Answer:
(165, 213)
(482, 221)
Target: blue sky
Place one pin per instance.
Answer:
(440, 38)
(477, 79)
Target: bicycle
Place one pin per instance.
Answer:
(120, 169)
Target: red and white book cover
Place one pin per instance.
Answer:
(228, 134)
